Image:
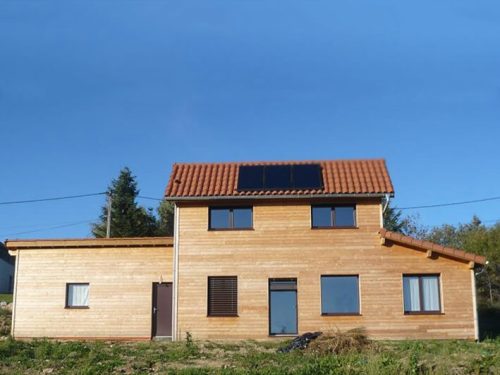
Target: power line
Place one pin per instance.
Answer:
(52, 199)
(449, 204)
(48, 228)
(150, 198)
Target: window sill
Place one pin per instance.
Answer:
(228, 229)
(341, 314)
(224, 316)
(320, 228)
(424, 313)
(76, 307)
(283, 334)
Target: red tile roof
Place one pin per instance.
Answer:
(427, 245)
(205, 180)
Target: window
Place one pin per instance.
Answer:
(421, 294)
(77, 295)
(283, 306)
(280, 177)
(222, 296)
(333, 216)
(231, 218)
(340, 295)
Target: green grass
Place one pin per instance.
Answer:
(249, 357)
(6, 298)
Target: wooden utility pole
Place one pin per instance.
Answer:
(108, 221)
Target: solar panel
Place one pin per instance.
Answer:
(280, 177)
(251, 178)
(307, 176)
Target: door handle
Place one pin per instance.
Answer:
(155, 310)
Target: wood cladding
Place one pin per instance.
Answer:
(283, 245)
(120, 291)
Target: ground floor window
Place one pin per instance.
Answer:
(421, 294)
(77, 295)
(340, 295)
(222, 296)
(282, 306)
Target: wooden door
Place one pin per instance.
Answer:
(162, 310)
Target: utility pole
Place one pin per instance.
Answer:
(108, 221)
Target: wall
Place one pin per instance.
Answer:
(120, 291)
(283, 244)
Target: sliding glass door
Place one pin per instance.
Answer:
(282, 306)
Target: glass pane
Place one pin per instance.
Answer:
(277, 177)
(411, 293)
(321, 216)
(219, 218)
(344, 217)
(78, 295)
(242, 217)
(307, 176)
(250, 177)
(430, 292)
(283, 312)
(339, 294)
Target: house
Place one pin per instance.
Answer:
(260, 250)
(6, 271)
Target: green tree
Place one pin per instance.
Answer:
(128, 219)
(395, 221)
(166, 219)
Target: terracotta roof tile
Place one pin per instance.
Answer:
(427, 245)
(199, 180)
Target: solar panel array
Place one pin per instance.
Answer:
(280, 177)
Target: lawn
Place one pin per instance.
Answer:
(248, 357)
(6, 298)
(409, 357)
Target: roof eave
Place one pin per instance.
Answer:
(277, 196)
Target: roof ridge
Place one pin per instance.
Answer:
(301, 161)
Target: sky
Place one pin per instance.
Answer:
(88, 87)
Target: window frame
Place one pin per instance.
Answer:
(228, 315)
(421, 294)
(270, 290)
(231, 218)
(332, 216)
(340, 313)
(67, 305)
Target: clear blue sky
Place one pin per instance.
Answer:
(88, 87)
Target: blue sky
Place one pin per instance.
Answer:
(88, 87)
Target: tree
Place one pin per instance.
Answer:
(166, 219)
(127, 218)
(407, 225)
(477, 238)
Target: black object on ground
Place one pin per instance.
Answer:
(300, 342)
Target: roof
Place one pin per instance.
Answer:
(89, 242)
(427, 245)
(217, 180)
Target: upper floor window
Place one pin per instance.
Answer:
(333, 216)
(421, 294)
(230, 218)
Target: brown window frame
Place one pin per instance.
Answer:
(66, 305)
(230, 312)
(421, 294)
(231, 217)
(332, 216)
(358, 290)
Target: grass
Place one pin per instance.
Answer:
(336, 353)
(6, 298)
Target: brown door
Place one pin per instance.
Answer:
(162, 309)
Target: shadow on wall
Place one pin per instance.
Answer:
(489, 321)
